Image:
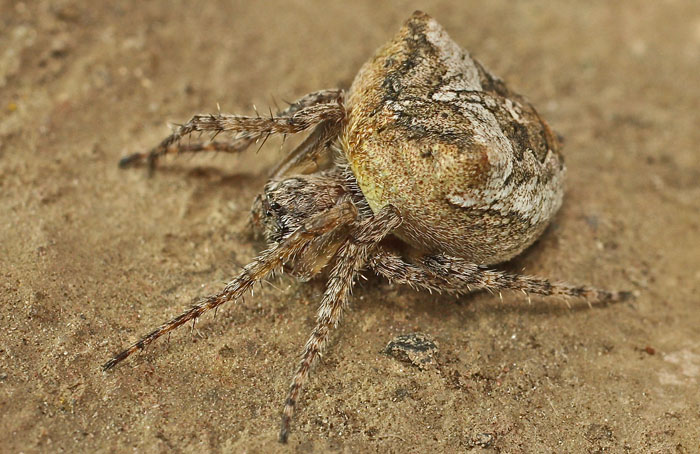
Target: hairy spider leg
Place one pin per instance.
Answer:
(327, 221)
(309, 110)
(442, 273)
(351, 258)
(308, 151)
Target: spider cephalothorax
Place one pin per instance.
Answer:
(436, 156)
(286, 204)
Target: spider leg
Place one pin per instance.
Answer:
(351, 257)
(234, 146)
(443, 273)
(309, 150)
(342, 214)
(310, 110)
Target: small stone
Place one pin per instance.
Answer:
(483, 440)
(417, 349)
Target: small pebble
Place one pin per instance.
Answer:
(417, 349)
(483, 440)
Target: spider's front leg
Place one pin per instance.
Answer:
(350, 259)
(327, 221)
(325, 106)
(442, 273)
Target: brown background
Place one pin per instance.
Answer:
(92, 257)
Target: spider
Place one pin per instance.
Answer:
(427, 171)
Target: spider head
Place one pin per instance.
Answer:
(286, 204)
(270, 217)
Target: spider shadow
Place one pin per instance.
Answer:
(208, 189)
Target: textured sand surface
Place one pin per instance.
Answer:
(92, 256)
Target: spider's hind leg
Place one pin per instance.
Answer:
(443, 273)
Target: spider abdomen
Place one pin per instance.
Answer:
(469, 164)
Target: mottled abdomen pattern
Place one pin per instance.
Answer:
(470, 165)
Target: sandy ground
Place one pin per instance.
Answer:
(92, 256)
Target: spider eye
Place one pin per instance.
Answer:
(270, 206)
